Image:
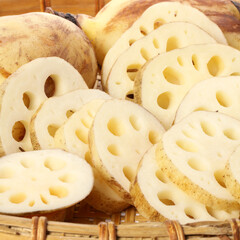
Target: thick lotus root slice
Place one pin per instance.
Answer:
(162, 83)
(169, 36)
(43, 181)
(194, 153)
(120, 134)
(23, 92)
(158, 199)
(55, 111)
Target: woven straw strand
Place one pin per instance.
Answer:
(42, 228)
(175, 230)
(103, 231)
(235, 224)
(34, 228)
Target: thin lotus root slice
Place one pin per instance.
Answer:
(232, 174)
(43, 181)
(53, 112)
(23, 92)
(219, 94)
(120, 134)
(163, 82)
(153, 17)
(169, 36)
(158, 199)
(73, 137)
(194, 153)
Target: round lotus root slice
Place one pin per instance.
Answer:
(153, 17)
(158, 199)
(23, 92)
(218, 94)
(162, 83)
(232, 174)
(194, 153)
(120, 134)
(169, 36)
(53, 112)
(43, 181)
(72, 136)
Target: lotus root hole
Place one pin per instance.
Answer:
(187, 133)
(132, 71)
(50, 86)
(158, 22)
(187, 146)
(82, 135)
(161, 177)
(27, 163)
(52, 128)
(166, 198)
(156, 43)
(31, 203)
(18, 131)
(173, 76)
(172, 43)
(145, 54)
(235, 74)
(200, 109)
(215, 66)
(189, 213)
(69, 113)
(114, 150)
(91, 114)
(6, 172)
(67, 178)
(128, 173)
(223, 99)
(231, 134)
(27, 100)
(3, 188)
(86, 123)
(154, 137)
(195, 62)
(43, 199)
(129, 95)
(219, 176)
(164, 100)
(58, 191)
(116, 127)
(54, 164)
(131, 42)
(135, 122)
(208, 128)
(143, 30)
(197, 164)
(17, 198)
(180, 61)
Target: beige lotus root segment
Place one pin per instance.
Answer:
(23, 92)
(162, 83)
(169, 36)
(232, 174)
(42, 181)
(72, 136)
(158, 199)
(218, 94)
(55, 111)
(121, 133)
(194, 154)
(151, 19)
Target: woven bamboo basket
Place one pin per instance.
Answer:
(82, 222)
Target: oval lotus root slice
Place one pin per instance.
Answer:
(151, 19)
(232, 174)
(194, 153)
(163, 82)
(158, 199)
(72, 136)
(53, 112)
(43, 181)
(169, 36)
(120, 134)
(23, 92)
(219, 94)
